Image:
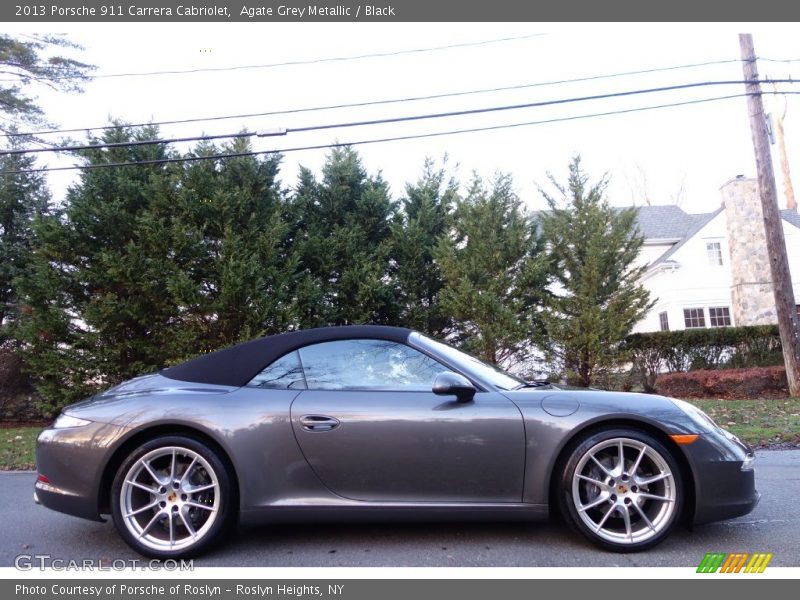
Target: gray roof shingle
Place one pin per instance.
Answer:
(667, 222)
(700, 221)
(791, 216)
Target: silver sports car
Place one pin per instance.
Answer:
(371, 422)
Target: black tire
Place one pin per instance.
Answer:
(210, 512)
(596, 509)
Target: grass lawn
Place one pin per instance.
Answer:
(757, 422)
(17, 446)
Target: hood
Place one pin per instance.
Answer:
(566, 402)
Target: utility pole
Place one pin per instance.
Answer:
(776, 245)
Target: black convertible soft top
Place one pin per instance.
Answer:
(239, 364)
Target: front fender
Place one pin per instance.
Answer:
(553, 419)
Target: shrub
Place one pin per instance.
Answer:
(12, 377)
(620, 381)
(702, 349)
(728, 384)
(17, 402)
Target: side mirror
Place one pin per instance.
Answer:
(448, 383)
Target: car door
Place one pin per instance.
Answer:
(372, 430)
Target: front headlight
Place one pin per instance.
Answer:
(69, 421)
(749, 462)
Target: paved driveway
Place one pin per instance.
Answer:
(773, 527)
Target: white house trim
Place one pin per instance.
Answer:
(679, 274)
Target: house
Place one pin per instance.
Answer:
(712, 269)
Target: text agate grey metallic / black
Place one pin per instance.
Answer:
(370, 422)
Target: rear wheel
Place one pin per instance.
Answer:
(171, 498)
(622, 489)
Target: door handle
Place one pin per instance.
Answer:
(318, 422)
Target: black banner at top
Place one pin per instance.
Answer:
(121, 11)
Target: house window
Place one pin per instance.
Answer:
(663, 319)
(719, 316)
(693, 318)
(714, 250)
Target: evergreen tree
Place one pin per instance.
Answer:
(148, 265)
(424, 220)
(598, 297)
(236, 271)
(495, 274)
(341, 233)
(100, 310)
(28, 60)
(23, 197)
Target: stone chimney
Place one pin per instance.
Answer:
(753, 302)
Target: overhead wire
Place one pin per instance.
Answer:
(387, 139)
(363, 104)
(314, 61)
(392, 120)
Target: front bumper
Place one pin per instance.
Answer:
(722, 489)
(730, 495)
(73, 459)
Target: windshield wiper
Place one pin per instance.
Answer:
(532, 384)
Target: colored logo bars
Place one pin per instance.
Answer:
(719, 562)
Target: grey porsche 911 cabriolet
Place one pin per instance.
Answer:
(373, 422)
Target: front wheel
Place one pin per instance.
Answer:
(171, 498)
(622, 490)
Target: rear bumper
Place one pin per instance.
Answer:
(65, 501)
(73, 459)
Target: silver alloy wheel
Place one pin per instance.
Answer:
(624, 491)
(170, 498)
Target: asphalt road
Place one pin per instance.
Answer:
(773, 527)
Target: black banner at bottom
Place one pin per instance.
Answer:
(392, 589)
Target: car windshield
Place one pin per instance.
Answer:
(466, 362)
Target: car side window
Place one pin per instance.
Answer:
(283, 374)
(367, 365)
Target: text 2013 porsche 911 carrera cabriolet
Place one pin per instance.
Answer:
(372, 422)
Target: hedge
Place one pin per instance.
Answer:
(729, 384)
(702, 349)
(16, 392)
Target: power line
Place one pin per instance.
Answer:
(393, 100)
(778, 60)
(195, 138)
(391, 120)
(314, 61)
(33, 139)
(475, 111)
(385, 139)
(43, 144)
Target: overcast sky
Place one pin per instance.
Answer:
(686, 152)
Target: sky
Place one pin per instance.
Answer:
(680, 154)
